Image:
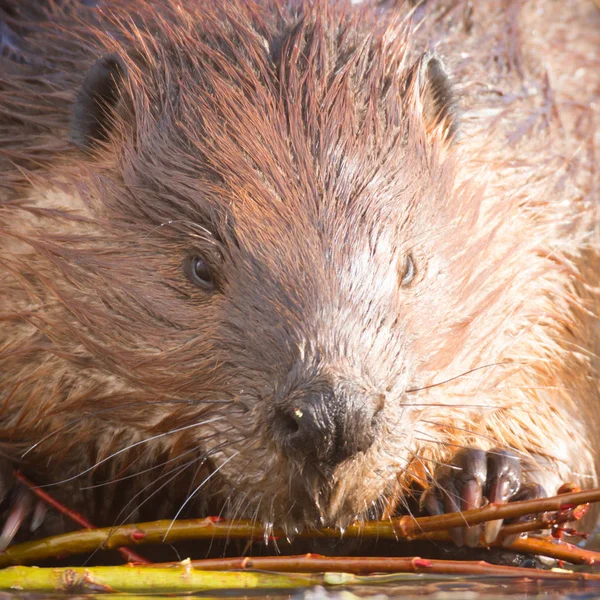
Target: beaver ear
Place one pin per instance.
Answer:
(97, 100)
(436, 93)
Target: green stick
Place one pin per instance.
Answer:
(138, 579)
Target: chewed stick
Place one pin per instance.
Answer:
(401, 528)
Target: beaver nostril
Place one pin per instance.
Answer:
(287, 422)
(324, 429)
(306, 429)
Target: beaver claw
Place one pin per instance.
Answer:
(472, 479)
(18, 504)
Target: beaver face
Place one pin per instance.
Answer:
(282, 192)
(319, 370)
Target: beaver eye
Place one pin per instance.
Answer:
(407, 271)
(200, 273)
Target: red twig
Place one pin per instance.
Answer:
(126, 553)
(560, 550)
(315, 563)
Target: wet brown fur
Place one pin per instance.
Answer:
(291, 144)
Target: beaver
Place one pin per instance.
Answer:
(291, 260)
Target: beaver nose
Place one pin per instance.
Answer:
(324, 430)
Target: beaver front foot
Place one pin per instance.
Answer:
(472, 479)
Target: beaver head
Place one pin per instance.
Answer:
(258, 260)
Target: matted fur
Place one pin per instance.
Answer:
(289, 143)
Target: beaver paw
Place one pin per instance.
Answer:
(17, 504)
(472, 479)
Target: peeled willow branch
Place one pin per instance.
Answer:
(184, 578)
(157, 532)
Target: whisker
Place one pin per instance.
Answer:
(153, 467)
(454, 406)
(273, 538)
(138, 473)
(90, 414)
(254, 519)
(404, 502)
(469, 372)
(414, 476)
(171, 475)
(196, 491)
(443, 443)
(117, 525)
(122, 450)
(201, 459)
(74, 422)
(475, 433)
(239, 502)
(492, 407)
(435, 462)
(63, 428)
(428, 472)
